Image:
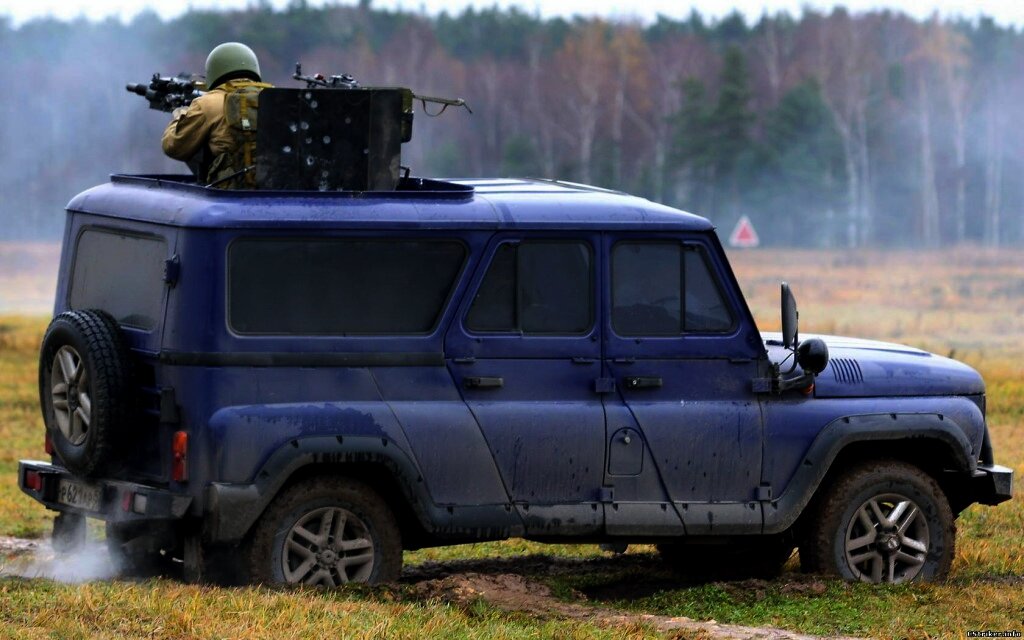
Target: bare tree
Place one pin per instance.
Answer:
(847, 67)
(582, 64)
(672, 61)
(945, 50)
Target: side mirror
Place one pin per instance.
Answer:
(789, 318)
(812, 355)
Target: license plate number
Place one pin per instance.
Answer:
(79, 495)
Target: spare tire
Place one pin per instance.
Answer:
(84, 374)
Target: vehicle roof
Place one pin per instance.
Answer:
(418, 204)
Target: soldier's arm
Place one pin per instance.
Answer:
(187, 131)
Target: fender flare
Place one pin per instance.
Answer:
(232, 509)
(782, 512)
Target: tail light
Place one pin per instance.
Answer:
(33, 480)
(179, 468)
(48, 444)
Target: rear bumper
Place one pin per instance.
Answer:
(993, 484)
(119, 500)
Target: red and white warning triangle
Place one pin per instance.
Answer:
(743, 235)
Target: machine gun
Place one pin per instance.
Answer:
(167, 94)
(347, 81)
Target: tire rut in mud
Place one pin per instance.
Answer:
(502, 584)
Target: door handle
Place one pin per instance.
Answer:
(478, 382)
(642, 382)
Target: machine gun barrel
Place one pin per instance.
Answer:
(167, 94)
(346, 81)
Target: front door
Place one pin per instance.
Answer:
(681, 350)
(525, 353)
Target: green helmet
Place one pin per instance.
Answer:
(229, 60)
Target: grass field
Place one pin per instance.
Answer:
(969, 303)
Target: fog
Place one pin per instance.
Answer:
(826, 129)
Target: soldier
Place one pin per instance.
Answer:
(216, 133)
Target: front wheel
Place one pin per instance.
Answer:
(883, 522)
(326, 532)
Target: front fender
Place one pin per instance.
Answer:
(782, 512)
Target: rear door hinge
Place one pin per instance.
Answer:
(172, 270)
(764, 493)
(604, 385)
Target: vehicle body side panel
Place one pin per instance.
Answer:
(782, 512)
(233, 508)
(794, 422)
(452, 453)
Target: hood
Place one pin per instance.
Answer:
(867, 368)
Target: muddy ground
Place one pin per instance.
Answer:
(510, 584)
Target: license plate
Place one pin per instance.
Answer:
(75, 494)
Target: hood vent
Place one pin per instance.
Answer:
(846, 370)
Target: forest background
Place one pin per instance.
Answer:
(826, 129)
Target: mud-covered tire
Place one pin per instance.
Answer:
(885, 521)
(86, 401)
(360, 541)
(756, 557)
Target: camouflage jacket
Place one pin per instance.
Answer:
(204, 125)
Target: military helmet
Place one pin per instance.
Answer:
(230, 60)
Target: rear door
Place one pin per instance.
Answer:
(128, 271)
(525, 352)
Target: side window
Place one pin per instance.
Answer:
(706, 309)
(665, 289)
(536, 288)
(340, 287)
(120, 273)
(646, 288)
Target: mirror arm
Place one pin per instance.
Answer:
(796, 359)
(802, 381)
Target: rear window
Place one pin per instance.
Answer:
(536, 288)
(340, 287)
(120, 273)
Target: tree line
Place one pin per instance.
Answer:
(826, 129)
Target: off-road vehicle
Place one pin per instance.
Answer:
(296, 386)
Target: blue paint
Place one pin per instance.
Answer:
(563, 446)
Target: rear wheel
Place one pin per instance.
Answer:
(881, 522)
(326, 532)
